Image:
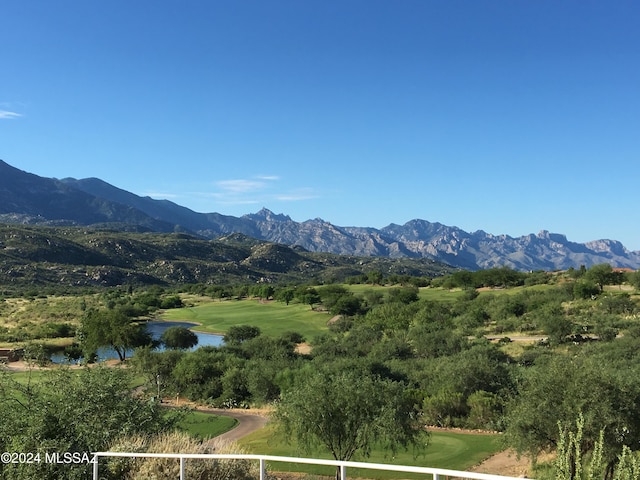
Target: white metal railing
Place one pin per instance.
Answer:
(436, 473)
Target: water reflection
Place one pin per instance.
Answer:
(156, 329)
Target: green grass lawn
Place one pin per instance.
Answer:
(425, 293)
(273, 318)
(204, 425)
(438, 294)
(33, 376)
(36, 376)
(456, 451)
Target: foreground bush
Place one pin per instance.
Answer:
(169, 469)
(70, 411)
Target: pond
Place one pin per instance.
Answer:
(156, 329)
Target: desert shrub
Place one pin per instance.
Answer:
(169, 468)
(585, 289)
(37, 354)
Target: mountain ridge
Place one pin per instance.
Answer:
(66, 257)
(28, 198)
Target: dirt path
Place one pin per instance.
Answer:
(248, 422)
(505, 463)
(22, 366)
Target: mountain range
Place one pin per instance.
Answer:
(27, 198)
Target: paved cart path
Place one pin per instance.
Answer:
(248, 422)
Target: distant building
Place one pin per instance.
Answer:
(11, 354)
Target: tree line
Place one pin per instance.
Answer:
(420, 361)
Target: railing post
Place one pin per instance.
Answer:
(343, 472)
(436, 476)
(262, 470)
(95, 467)
(181, 468)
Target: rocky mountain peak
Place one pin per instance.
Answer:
(264, 214)
(605, 245)
(553, 237)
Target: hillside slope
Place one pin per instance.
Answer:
(80, 256)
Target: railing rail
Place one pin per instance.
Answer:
(436, 473)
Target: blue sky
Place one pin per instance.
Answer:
(506, 116)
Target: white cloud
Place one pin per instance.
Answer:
(5, 114)
(240, 186)
(238, 202)
(246, 185)
(297, 195)
(258, 189)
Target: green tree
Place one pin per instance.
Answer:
(375, 277)
(464, 279)
(585, 288)
(238, 334)
(338, 300)
(156, 366)
(559, 389)
(554, 323)
(601, 274)
(285, 295)
(37, 354)
(347, 412)
(496, 277)
(198, 374)
(67, 410)
(388, 317)
(179, 338)
(620, 304)
(218, 291)
(605, 327)
(264, 291)
(575, 274)
(431, 340)
(347, 305)
(112, 328)
(172, 301)
(484, 409)
(444, 408)
(403, 294)
(372, 297)
(307, 295)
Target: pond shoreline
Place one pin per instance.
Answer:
(155, 328)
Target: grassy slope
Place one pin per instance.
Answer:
(26, 377)
(204, 425)
(273, 318)
(36, 376)
(446, 450)
(425, 293)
